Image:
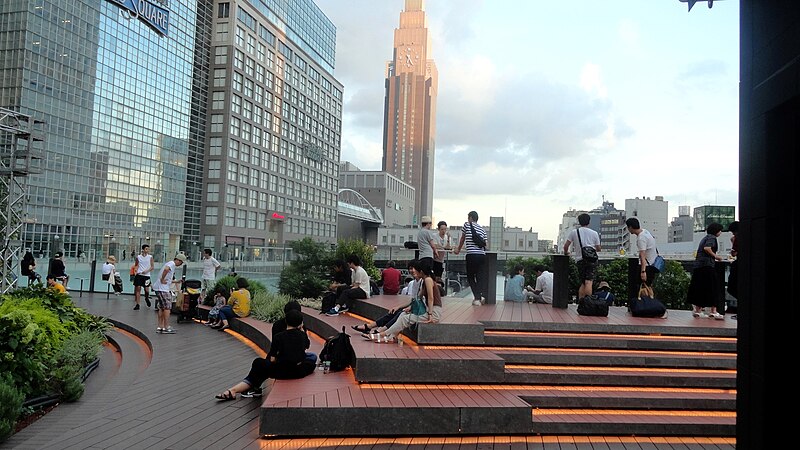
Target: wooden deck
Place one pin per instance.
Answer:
(156, 391)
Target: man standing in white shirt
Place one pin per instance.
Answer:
(162, 287)
(210, 268)
(646, 249)
(144, 265)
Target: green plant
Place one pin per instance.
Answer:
(80, 349)
(30, 335)
(365, 251)
(267, 306)
(672, 285)
(10, 406)
(307, 274)
(67, 382)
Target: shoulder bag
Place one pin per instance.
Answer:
(418, 307)
(588, 253)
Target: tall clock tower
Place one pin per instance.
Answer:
(409, 118)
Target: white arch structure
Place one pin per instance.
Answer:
(354, 205)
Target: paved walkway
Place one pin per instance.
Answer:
(164, 399)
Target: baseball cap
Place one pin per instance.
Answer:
(181, 257)
(426, 219)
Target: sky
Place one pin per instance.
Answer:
(551, 105)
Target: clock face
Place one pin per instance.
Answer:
(411, 57)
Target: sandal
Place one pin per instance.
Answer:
(223, 328)
(226, 396)
(362, 329)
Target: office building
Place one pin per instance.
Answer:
(609, 222)
(121, 97)
(681, 228)
(202, 124)
(274, 127)
(410, 108)
(393, 197)
(652, 215)
(708, 214)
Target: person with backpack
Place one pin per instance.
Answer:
(473, 237)
(286, 360)
(28, 269)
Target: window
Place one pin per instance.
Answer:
(211, 215)
(218, 100)
(212, 192)
(233, 171)
(237, 81)
(251, 44)
(240, 36)
(215, 146)
(238, 59)
(241, 218)
(241, 199)
(236, 103)
(233, 149)
(214, 168)
(221, 55)
(230, 217)
(223, 10)
(230, 194)
(216, 123)
(219, 77)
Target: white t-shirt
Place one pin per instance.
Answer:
(589, 238)
(544, 283)
(645, 241)
(424, 238)
(210, 268)
(360, 276)
(108, 268)
(170, 270)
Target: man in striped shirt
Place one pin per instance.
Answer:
(476, 257)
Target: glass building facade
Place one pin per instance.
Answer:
(274, 132)
(117, 100)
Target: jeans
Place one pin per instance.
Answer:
(226, 313)
(351, 294)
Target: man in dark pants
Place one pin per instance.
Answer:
(476, 257)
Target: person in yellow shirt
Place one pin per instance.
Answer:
(238, 304)
(55, 285)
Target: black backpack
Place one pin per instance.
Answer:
(339, 352)
(477, 239)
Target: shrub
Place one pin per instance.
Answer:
(10, 406)
(307, 275)
(228, 282)
(80, 349)
(672, 285)
(365, 251)
(615, 273)
(267, 306)
(30, 335)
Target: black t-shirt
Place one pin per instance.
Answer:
(289, 347)
(57, 268)
(343, 277)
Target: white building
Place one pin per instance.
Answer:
(653, 215)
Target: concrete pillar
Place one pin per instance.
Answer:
(490, 274)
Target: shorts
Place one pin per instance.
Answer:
(164, 300)
(586, 270)
(141, 280)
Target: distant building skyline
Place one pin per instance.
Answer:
(410, 108)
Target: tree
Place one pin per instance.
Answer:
(672, 285)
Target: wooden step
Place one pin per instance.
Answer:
(616, 358)
(610, 341)
(625, 397)
(638, 422)
(624, 376)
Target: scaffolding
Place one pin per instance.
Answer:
(21, 154)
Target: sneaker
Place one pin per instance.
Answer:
(332, 312)
(476, 303)
(696, 313)
(717, 316)
(168, 331)
(147, 300)
(159, 330)
(136, 307)
(343, 309)
(253, 393)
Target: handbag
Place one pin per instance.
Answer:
(592, 305)
(418, 307)
(646, 305)
(659, 263)
(588, 253)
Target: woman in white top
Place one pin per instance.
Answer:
(110, 274)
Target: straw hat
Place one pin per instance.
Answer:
(603, 285)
